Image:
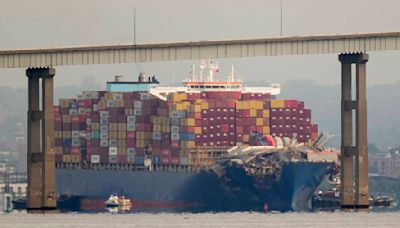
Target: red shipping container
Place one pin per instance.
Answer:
(121, 118)
(75, 150)
(175, 143)
(131, 142)
(165, 159)
(56, 109)
(314, 127)
(203, 95)
(131, 134)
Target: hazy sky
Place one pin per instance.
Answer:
(54, 23)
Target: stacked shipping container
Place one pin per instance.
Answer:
(187, 128)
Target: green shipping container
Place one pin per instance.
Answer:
(95, 135)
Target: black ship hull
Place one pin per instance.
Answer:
(204, 190)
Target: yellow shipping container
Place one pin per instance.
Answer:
(253, 104)
(156, 128)
(155, 120)
(140, 143)
(204, 105)
(197, 108)
(75, 158)
(122, 143)
(265, 113)
(101, 105)
(129, 112)
(108, 96)
(113, 134)
(277, 103)
(122, 134)
(259, 105)
(253, 112)
(165, 129)
(58, 134)
(266, 130)
(95, 126)
(239, 105)
(245, 104)
(66, 134)
(121, 150)
(190, 122)
(259, 121)
(113, 127)
(58, 150)
(66, 119)
(197, 130)
(122, 127)
(165, 121)
(67, 158)
(119, 103)
(188, 144)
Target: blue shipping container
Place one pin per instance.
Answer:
(186, 137)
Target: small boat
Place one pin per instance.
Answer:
(117, 201)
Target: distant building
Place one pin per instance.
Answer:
(386, 164)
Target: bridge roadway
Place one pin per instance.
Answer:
(114, 54)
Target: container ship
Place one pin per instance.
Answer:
(209, 145)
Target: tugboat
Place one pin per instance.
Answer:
(117, 201)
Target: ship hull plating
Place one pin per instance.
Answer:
(235, 190)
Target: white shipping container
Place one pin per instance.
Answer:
(131, 150)
(117, 97)
(174, 136)
(175, 129)
(74, 134)
(130, 126)
(183, 160)
(177, 114)
(103, 114)
(113, 142)
(95, 158)
(104, 121)
(137, 112)
(104, 135)
(130, 158)
(88, 121)
(95, 107)
(113, 159)
(104, 142)
(103, 128)
(82, 134)
(81, 111)
(156, 135)
(137, 104)
(75, 142)
(73, 112)
(175, 121)
(113, 150)
(131, 119)
(144, 96)
(110, 104)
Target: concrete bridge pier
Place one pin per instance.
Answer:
(41, 195)
(354, 152)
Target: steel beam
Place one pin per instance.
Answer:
(354, 158)
(41, 157)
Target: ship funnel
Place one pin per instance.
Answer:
(142, 77)
(118, 78)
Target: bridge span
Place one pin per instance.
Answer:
(217, 49)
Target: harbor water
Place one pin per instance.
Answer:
(247, 219)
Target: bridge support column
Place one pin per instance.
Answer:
(354, 158)
(41, 196)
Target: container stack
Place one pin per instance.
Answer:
(290, 119)
(185, 129)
